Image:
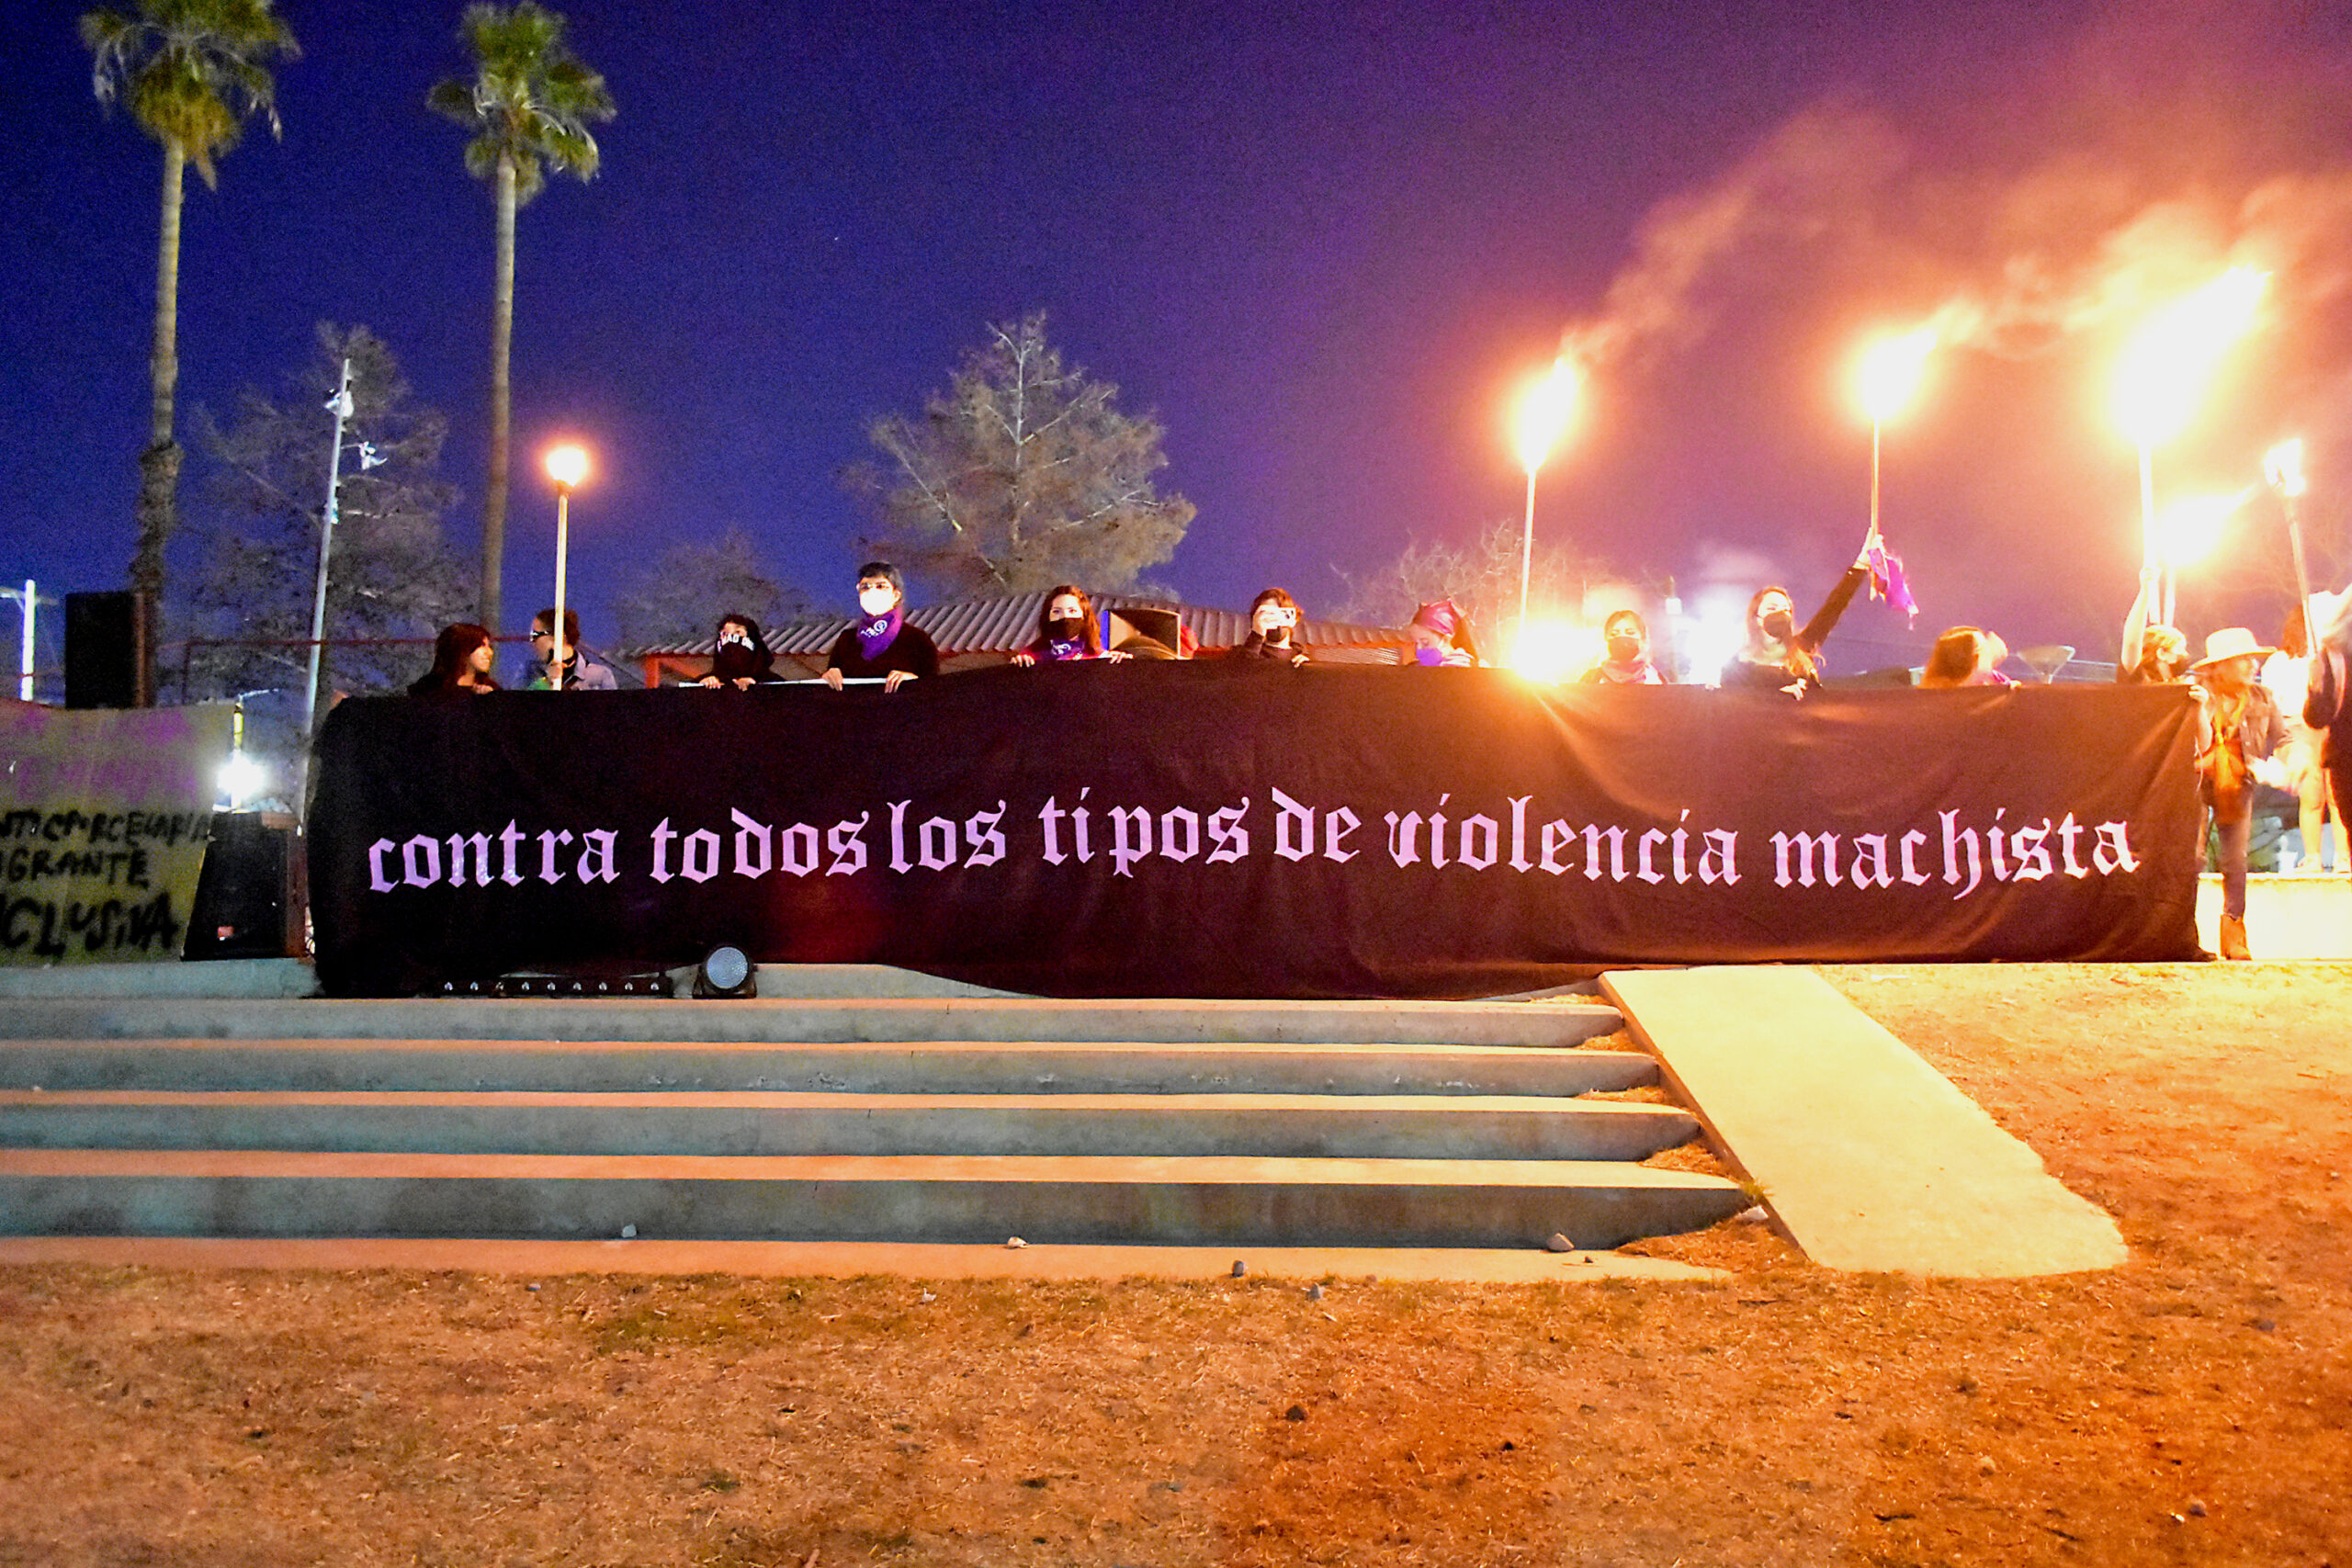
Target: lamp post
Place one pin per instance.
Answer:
(2161, 372)
(567, 466)
(29, 600)
(1891, 370)
(1542, 418)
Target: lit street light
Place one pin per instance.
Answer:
(2164, 368)
(567, 466)
(1542, 418)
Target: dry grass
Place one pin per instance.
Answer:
(2192, 1407)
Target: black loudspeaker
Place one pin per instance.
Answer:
(105, 649)
(248, 898)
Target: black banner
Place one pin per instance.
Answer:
(1227, 829)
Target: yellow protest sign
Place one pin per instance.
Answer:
(103, 816)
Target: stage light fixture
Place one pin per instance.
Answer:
(727, 971)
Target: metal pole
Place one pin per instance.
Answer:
(1526, 551)
(25, 680)
(562, 545)
(341, 404)
(1874, 478)
(2303, 574)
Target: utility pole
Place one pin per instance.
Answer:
(28, 601)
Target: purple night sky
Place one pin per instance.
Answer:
(1324, 243)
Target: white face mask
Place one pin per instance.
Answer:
(876, 601)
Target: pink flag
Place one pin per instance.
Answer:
(1887, 581)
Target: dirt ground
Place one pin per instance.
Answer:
(2192, 1407)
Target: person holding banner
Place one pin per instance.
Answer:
(1273, 629)
(1778, 655)
(2238, 726)
(2152, 655)
(2288, 677)
(1442, 638)
(461, 660)
(1068, 631)
(739, 655)
(582, 670)
(1965, 656)
(1627, 662)
(879, 645)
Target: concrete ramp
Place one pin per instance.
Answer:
(1868, 1159)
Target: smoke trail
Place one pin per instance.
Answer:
(2011, 266)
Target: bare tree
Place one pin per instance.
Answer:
(392, 574)
(1481, 577)
(1022, 474)
(679, 596)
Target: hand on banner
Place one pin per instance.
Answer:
(833, 678)
(890, 683)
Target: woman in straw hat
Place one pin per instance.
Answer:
(2238, 726)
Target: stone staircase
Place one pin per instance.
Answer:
(943, 1118)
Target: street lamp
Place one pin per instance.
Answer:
(1542, 418)
(567, 466)
(2163, 369)
(1891, 372)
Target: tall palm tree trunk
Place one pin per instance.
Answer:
(159, 465)
(501, 337)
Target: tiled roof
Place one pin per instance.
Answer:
(1002, 623)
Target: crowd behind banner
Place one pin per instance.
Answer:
(1243, 826)
(2264, 715)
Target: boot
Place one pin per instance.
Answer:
(2233, 938)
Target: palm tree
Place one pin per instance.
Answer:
(193, 73)
(529, 103)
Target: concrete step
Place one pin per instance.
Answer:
(1222, 1200)
(782, 1019)
(945, 1067)
(1278, 1125)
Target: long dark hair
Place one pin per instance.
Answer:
(451, 648)
(1090, 633)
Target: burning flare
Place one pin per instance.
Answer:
(1543, 413)
(2167, 363)
(1892, 369)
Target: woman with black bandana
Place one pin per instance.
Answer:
(879, 644)
(740, 657)
(1778, 655)
(1067, 632)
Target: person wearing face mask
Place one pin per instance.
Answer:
(2238, 725)
(740, 657)
(1778, 655)
(879, 644)
(1273, 629)
(1442, 638)
(2153, 655)
(1067, 632)
(1627, 660)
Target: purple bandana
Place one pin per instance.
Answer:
(874, 637)
(1060, 652)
